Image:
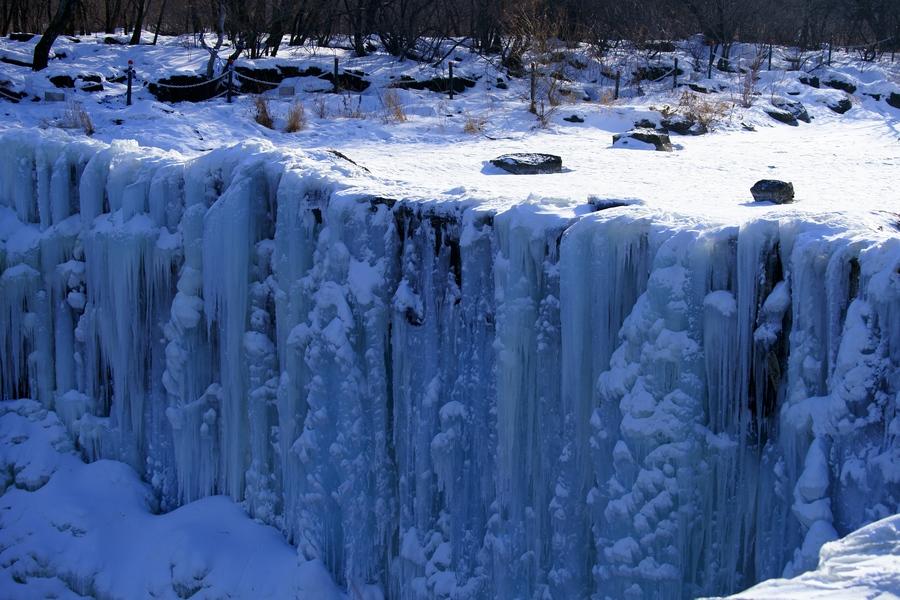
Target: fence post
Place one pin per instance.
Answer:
(533, 107)
(618, 79)
(709, 66)
(770, 57)
(230, 84)
(130, 79)
(451, 79)
(829, 54)
(675, 75)
(337, 82)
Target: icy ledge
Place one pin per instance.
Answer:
(440, 400)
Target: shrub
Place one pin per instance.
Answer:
(296, 118)
(474, 124)
(261, 112)
(393, 107)
(75, 117)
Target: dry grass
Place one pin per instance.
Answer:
(393, 107)
(474, 124)
(320, 107)
(296, 118)
(350, 111)
(748, 85)
(75, 117)
(261, 112)
(707, 113)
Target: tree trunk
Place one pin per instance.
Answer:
(140, 10)
(162, 10)
(57, 25)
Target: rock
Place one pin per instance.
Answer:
(837, 84)
(13, 61)
(92, 87)
(348, 82)
(684, 125)
(894, 99)
(271, 77)
(657, 139)
(573, 119)
(773, 190)
(528, 163)
(113, 41)
(435, 84)
(794, 107)
(810, 81)
(293, 71)
(840, 106)
(197, 93)
(653, 73)
(62, 81)
(646, 124)
(20, 37)
(875, 96)
(8, 93)
(699, 88)
(782, 116)
(91, 77)
(501, 85)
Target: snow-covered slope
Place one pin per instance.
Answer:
(865, 564)
(453, 398)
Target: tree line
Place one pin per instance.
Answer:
(415, 28)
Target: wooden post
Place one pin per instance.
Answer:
(337, 82)
(533, 107)
(130, 79)
(451, 79)
(675, 75)
(829, 54)
(230, 83)
(709, 66)
(770, 57)
(618, 79)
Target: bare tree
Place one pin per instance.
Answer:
(64, 12)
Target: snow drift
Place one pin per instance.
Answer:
(443, 400)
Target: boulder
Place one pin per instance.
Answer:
(894, 99)
(646, 124)
(773, 190)
(573, 119)
(844, 86)
(110, 40)
(91, 78)
(528, 163)
(840, 106)
(62, 81)
(20, 37)
(658, 139)
(810, 81)
(794, 107)
(684, 125)
(92, 87)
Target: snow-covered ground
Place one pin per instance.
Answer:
(561, 385)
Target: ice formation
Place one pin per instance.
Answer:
(445, 401)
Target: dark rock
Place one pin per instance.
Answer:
(110, 40)
(658, 139)
(21, 37)
(810, 81)
(92, 87)
(72, 39)
(645, 124)
(653, 73)
(894, 99)
(773, 190)
(91, 78)
(514, 66)
(292, 71)
(501, 85)
(7, 93)
(527, 163)
(782, 116)
(841, 106)
(118, 79)
(197, 93)
(573, 119)
(684, 125)
(875, 96)
(62, 81)
(13, 61)
(436, 84)
(272, 77)
(699, 88)
(347, 81)
(845, 86)
(794, 107)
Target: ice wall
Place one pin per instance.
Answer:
(442, 401)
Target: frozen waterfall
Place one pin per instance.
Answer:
(447, 401)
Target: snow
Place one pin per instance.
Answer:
(431, 379)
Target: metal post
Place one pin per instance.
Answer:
(533, 107)
(618, 79)
(675, 75)
(130, 79)
(451, 79)
(230, 84)
(337, 83)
